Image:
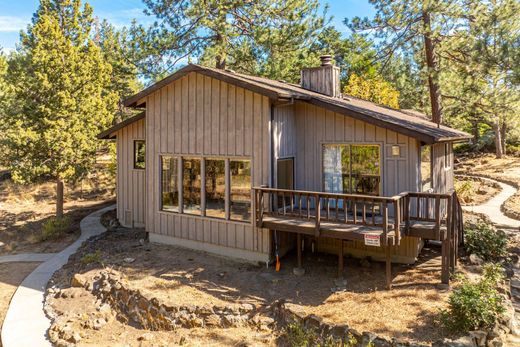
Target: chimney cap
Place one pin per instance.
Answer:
(326, 60)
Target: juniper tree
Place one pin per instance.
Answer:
(61, 100)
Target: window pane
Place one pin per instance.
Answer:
(169, 186)
(191, 184)
(240, 204)
(336, 166)
(426, 167)
(215, 188)
(139, 154)
(365, 172)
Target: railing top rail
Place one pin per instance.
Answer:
(429, 195)
(332, 195)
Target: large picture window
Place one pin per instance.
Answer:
(216, 188)
(191, 186)
(240, 191)
(352, 169)
(169, 184)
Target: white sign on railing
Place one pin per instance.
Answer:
(372, 240)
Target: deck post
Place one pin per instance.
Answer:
(318, 215)
(388, 267)
(299, 249)
(340, 259)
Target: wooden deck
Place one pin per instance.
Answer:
(376, 221)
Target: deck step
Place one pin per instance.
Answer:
(426, 230)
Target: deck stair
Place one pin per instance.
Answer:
(380, 220)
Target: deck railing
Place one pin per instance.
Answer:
(387, 213)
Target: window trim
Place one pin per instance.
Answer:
(380, 146)
(181, 158)
(136, 141)
(447, 156)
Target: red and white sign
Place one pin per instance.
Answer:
(372, 240)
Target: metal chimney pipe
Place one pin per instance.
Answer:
(326, 60)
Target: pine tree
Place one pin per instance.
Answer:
(483, 56)
(267, 37)
(61, 99)
(406, 25)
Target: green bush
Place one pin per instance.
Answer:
(91, 257)
(473, 305)
(465, 190)
(483, 240)
(54, 228)
(298, 336)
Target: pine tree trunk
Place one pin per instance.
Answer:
(503, 132)
(498, 140)
(59, 198)
(432, 65)
(220, 58)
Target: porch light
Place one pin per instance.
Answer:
(396, 151)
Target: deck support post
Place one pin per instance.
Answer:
(388, 267)
(340, 259)
(445, 261)
(299, 249)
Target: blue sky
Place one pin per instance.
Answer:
(16, 14)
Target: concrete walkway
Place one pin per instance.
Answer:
(492, 207)
(26, 257)
(25, 323)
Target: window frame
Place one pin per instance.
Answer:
(136, 141)
(178, 159)
(447, 156)
(380, 147)
(181, 160)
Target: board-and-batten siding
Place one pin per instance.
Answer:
(201, 116)
(443, 175)
(130, 182)
(301, 130)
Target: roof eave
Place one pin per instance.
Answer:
(109, 133)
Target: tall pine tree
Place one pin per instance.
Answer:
(61, 99)
(264, 37)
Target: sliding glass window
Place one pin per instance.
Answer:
(216, 188)
(169, 184)
(240, 190)
(191, 186)
(351, 169)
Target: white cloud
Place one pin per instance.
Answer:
(13, 24)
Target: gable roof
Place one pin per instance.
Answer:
(109, 133)
(403, 122)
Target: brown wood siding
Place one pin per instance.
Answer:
(201, 116)
(314, 126)
(442, 172)
(130, 182)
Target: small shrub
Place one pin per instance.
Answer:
(298, 336)
(483, 240)
(53, 228)
(90, 258)
(465, 190)
(475, 305)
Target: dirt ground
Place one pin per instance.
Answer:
(505, 169)
(24, 209)
(182, 277)
(11, 275)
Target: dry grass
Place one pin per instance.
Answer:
(24, 209)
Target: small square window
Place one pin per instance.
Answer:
(447, 157)
(139, 154)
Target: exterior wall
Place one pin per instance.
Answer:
(200, 116)
(442, 167)
(130, 182)
(301, 130)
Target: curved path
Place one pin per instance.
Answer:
(26, 257)
(25, 323)
(492, 208)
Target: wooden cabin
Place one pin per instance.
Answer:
(218, 161)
